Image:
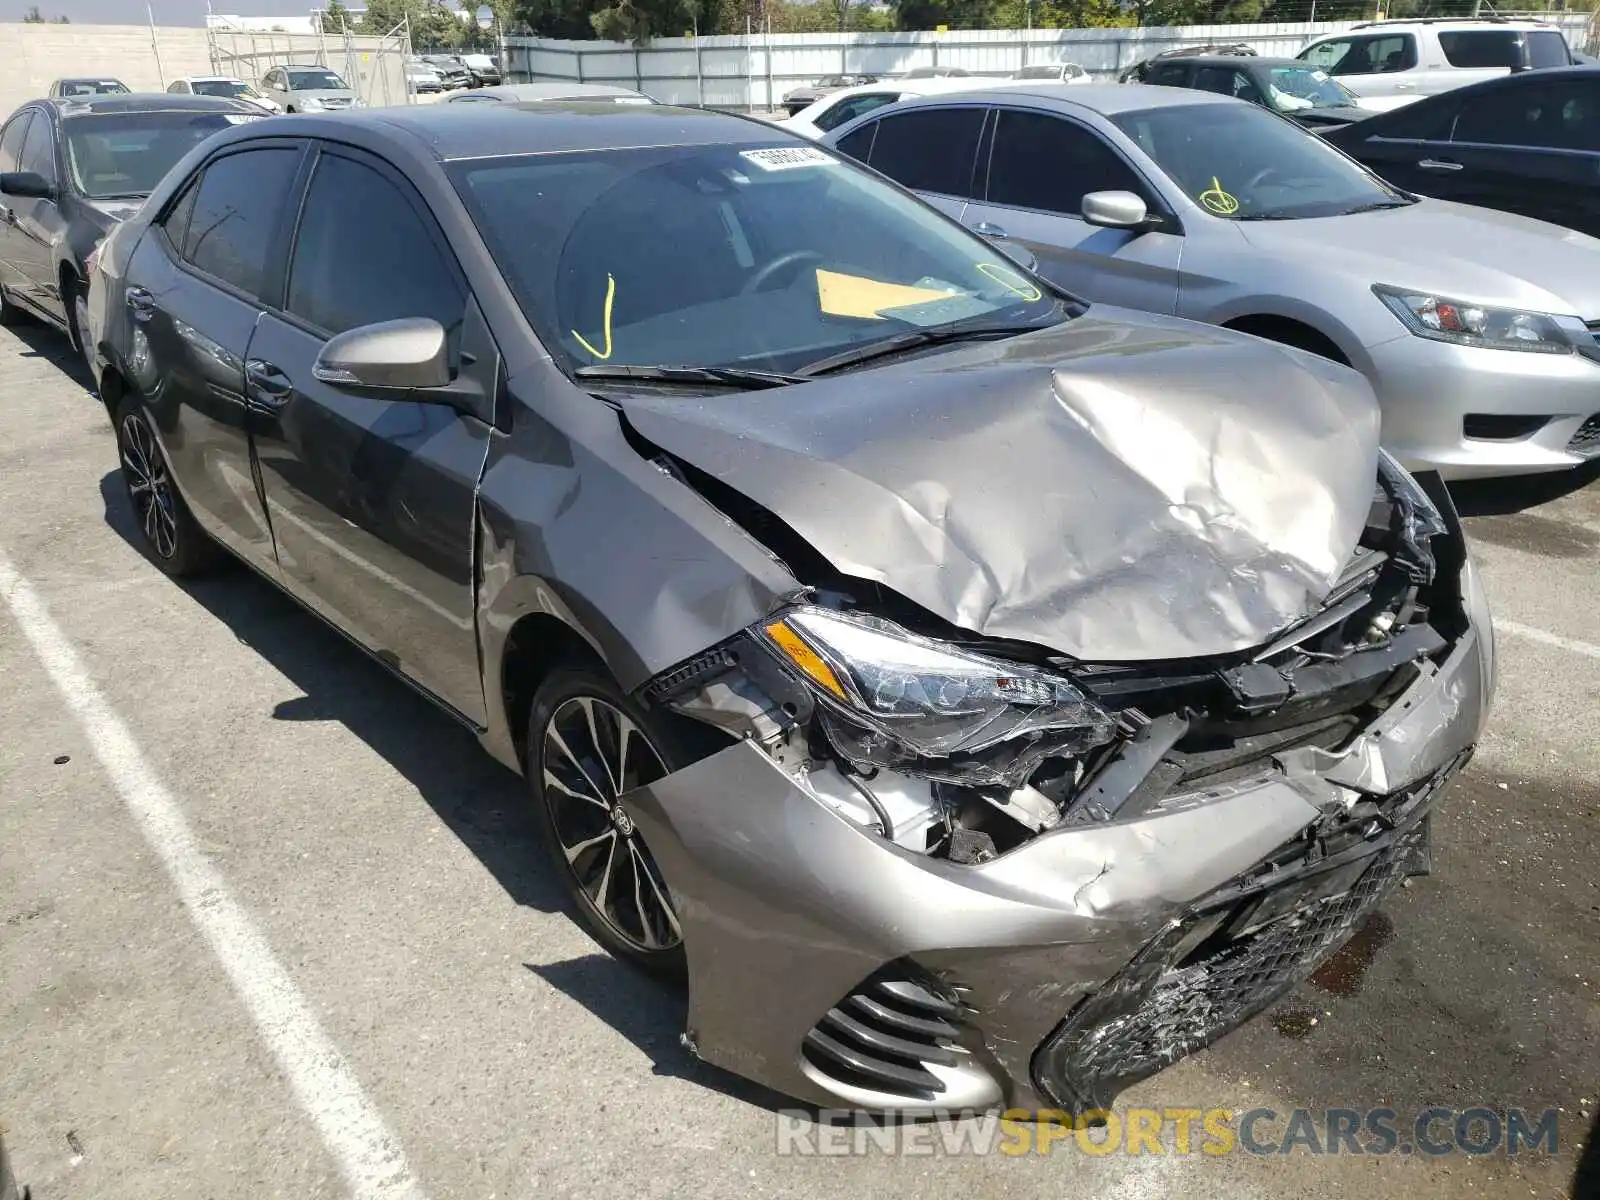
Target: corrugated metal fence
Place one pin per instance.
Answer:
(753, 72)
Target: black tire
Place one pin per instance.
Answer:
(10, 314)
(570, 814)
(168, 533)
(72, 291)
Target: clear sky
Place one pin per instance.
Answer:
(167, 12)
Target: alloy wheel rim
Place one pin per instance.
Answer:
(80, 318)
(592, 754)
(149, 486)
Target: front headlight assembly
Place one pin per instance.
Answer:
(890, 698)
(1465, 324)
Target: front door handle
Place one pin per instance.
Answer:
(140, 302)
(1439, 164)
(267, 386)
(989, 229)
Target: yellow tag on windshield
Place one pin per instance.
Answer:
(841, 295)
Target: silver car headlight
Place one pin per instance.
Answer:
(1467, 324)
(891, 698)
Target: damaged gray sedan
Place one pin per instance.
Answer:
(979, 698)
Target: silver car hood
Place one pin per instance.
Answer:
(1122, 487)
(1456, 250)
(322, 94)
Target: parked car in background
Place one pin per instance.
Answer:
(66, 89)
(421, 77)
(525, 93)
(1526, 143)
(802, 97)
(485, 70)
(1391, 63)
(452, 72)
(1054, 73)
(70, 170)
(1299, 91)
(1470, 324)
(308, 89)
(223, 86)
(849, 103)
(848, 598)
(1138, 72)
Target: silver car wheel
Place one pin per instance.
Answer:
(592, 754)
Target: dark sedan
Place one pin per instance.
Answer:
(979, 698)
(69, 171)
(1288, 86)
(1527, 143)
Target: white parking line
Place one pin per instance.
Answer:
(354, 1132)
(1571, 645)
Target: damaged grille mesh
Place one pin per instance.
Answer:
(1135, 1027)
(884, 1035)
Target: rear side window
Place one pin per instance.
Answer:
(236, 213)
(364, 255)
(1482, 47)
(930, 150)
(1423, 122)
(1170, 74)
(11, 141)
(1046, 163)
(1558, 116)
(858, 143)
(1227, 81)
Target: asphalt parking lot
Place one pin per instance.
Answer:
(271, 926)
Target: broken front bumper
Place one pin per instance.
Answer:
(836, 967)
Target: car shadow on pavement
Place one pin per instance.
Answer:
(484, 804)
(652, 1016)
(1514, 493)
(49, 343)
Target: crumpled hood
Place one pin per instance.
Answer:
(1462, 252)
(1120, 488)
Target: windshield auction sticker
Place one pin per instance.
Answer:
(787, 158)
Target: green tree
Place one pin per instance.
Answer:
(33, 16)
(336, 17)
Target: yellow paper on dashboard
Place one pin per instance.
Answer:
(841, 295)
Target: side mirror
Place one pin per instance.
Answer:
(411, 353)
(1017, 253)
(1115, 210)
(26, 183)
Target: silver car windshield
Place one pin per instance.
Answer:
(226, 88)
(1294, 88)
(316, 81)
(768, 257)
(1242, 163)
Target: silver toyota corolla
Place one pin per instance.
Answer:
(1477, 328)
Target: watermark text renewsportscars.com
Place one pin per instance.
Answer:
(1431, 1132)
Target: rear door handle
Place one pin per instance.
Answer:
(989, 229)
(267, 386)
(1439, 164)
(140, 302)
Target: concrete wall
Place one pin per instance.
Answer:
(34, 56)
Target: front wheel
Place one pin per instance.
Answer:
(168, 532)
(588, 745)
(76, 299)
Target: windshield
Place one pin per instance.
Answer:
(768, 258)
(316, 81)
(93, 87)
(1293, 88)
(227, 88)
(124, 155)
(1242, 163)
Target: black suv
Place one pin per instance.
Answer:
(70, 171)
(1288, 86)
(1138, 72)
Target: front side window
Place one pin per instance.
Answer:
(760, 256)
(39, 151)
(1546, 48)
(94, 87)
(1376, 55)
(1290, 89)
(1242, 163)
(316, 81)
(848, 110)
(1168, 74)
(236, 213)
(930, 150)
(1557, 116)
(1227, 81)
(124, 155)
(363, 255)
(1482, 47)
(1046, 163)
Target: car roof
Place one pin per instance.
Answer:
(1107, 99)
(1453, 23)
(451, 132)
(143, 102)
(1237, 60)
(552, 90)
(208, 79)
